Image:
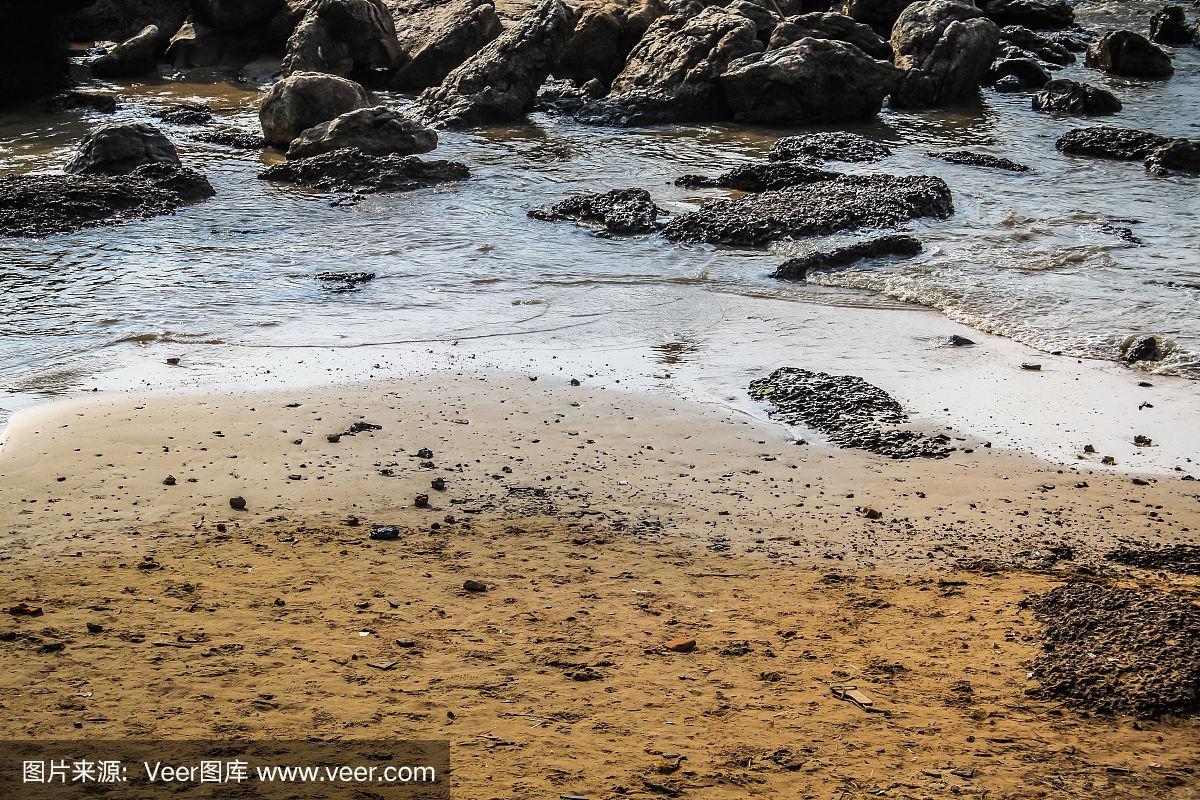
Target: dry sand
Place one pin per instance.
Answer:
(604, 525)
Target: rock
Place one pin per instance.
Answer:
(764, 18)
(134, 56)
(1104, 141)
(848, 202)
(831, 146)
(305, 99)
(959, 341)
(1169, 26)
(1017, 75)
(377, 130)
(1143, 348)
(185, 114)
(41, 205)
(1177, 157)
(831, 26)
(474, 585)
(501, 81)
(971, 159)
(946, 48)
(341, 37)
(196, 45)
(352, 170)
(761, 177)
(1070, 97)
(384, 533)
(237, 503)
(620, 211)
(1129, 54)
(86, 101)
(797, 269)
(438, 37)
(807, 82)
(603, 38)
(1027, 42)
(673, 73)
(346, 280)
(118, 149)
(117, 20)
(1031, 13)
(680, 645)
(238, 140)
(879, 14)
(169, 480)
(233, 15)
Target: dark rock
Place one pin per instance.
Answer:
(86, 101)
(959, 341)
(1169, 26)
(238, 140)
(233, 15)
(134, 56)
(185, 114)
(1130, 54)
(762, 13)
(620, 211)
(1183, 559)
(1104, 141)
(831, 26)
(1037, 44)
(1017, 75)
(305, 99)
(474, 586)
(196, 45)
(1177, 157)
(237, 503)
(807, 82)
(385, 533)
(879, 14)
(797, 269)
(845, 203)
(377, 131)
(831, 146)
(117, 20)
(946, 48)
(1119, 651)
(1069, 97)
(352, 170)
(118, 149)
(501, 81)
(761, 177)
(1031, 13)
(343, 37)
(435, 38)
(1143, 348)
(603, 38)
(346, 280)
(847, 409)
(971, 159)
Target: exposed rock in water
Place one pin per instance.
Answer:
(117, 149)
(354, 171)
(847, 409)
(603, 38)
(300, 101)
(377, 130)
(1105, 141)
(1183, 559)
(80, 101)
(831, 26)
(238, 140)
(1177, 157)
(136, 55)
(797, 269)
(832, 146)
(435, 38)
(971, 159)
(342, 37)
(1032, 13)
(1119, 651)
(761, 177)
(198, 45)
(185, 114)
(1017, 75)
(1020, 41)
(42, 205)
(1130, 54)
(1169, 26)
(1069, 97)
(946, 48)
(1143, 348)
(848, 202)
(346, 280)
(620, 211)
(501, 81)
(809, 81)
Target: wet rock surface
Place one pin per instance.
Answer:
(1069, 97)
(185, 114)
(619, 211)
(377, 130)
(117, 149)
(1105, 141)
(238, 140)
(832, 146)
(972, 159)
(352, 170)
(946, 49)
(845, 203)
(1169, 26)
(847, 409)
(1118, 650)
(1177, 157)
(80, 101)
(1183, 559)
(136, 55)
(761, 177)
(1130, 54)
(829, 25)
(42, 205)
(304, 99)
(797, 269)
(1017, 75)
(435, 38)
(1017, 41)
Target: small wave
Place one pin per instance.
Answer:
(170, 337)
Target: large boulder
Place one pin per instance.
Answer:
(1069, 97)
(196, 44)
(807, 82)
(1030, 13)
(1130, 54)
(501, 81)
(828, 25)
(352, 170)
(377, 130)
(300, 101)
(436, 38)
(134, 56)
(232, 15)
(946, 48)
(342, 37)
(764, 13)
(117, 20)
(33, 58)
(1106, 141)
(1169, 26)
(119, 149)
(603, 38)
(879, 14)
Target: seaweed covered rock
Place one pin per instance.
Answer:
(619, 211)
(352, 170)
(848, 202)
(435, 38)
(342, 37)
(1106, 141)
(1129, 54)
(890, 246)
(946, 48)
(1069, 97)
(136, 55)
(377, 130)
(1176, 157)
(501, 81)
(300, 101)
(603, 38)
(118, 149)
(829, 25)
(761, 177)
(829, 146)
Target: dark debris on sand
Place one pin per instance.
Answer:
(847, 409)
(1183, 559)
(1119, 651)
(351, 170)
(620, 210)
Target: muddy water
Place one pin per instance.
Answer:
(1032, 257)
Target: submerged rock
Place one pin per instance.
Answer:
(1177, 157)
(341, 37)
(971, 159)
(435, 38)
(831, 146)
(946, 48)
(300, 101)
(377, 130)
(797, 269)
(1130, 54)
(117, 149)
(761, 177)
(41, 205)
(1069, 97)
(828, 25)
(136, 55)
(351, 170)
(848, 202)
(1105, 141)
(620, 210)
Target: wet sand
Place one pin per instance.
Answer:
(604, 525)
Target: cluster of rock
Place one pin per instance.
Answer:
(1162, 155)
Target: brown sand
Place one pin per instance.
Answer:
(604, 525)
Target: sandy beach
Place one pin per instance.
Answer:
(604, 525)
